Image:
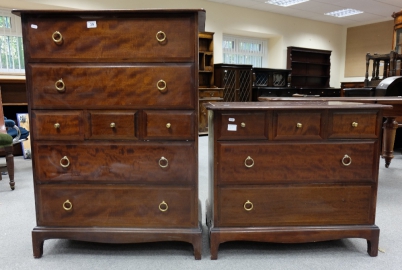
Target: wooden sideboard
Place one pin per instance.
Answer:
(113, 103)
(293, 172)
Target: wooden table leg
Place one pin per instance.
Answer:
(388, 139)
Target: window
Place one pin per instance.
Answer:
(243, 50)
(11, 49)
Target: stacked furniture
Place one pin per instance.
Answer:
(113, 98)
(207, 91)
(293, 172)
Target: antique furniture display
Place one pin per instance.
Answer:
(237, 81)
(113, 109)
(397, 37)
(392, 122)
(310, 67)
(390, 62)
(350, 85)
(207, 91)
(271, 82)
(293, 172)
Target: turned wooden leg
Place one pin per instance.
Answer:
(37, 244)
(10, 165)
(388, 139)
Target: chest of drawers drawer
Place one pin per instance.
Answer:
(135, 163)
(269, 163)
(350, 124)
(98, 86)
(295, 205)
(111, 206)
(143, 39)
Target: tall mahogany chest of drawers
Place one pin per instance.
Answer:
(293, 172)
(113, 104)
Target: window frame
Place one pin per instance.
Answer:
(238, 53)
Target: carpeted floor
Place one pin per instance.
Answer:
(17, 218)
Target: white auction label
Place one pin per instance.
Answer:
(232, 127)
(34, 26)
(91, 24)
(231, 119)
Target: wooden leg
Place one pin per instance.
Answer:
(388, 139)
(197, 246)
(372, 244)
(37, 244)
(10, 165)
(214, 246)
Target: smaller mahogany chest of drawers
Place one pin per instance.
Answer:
(293, 172)
(113, 100)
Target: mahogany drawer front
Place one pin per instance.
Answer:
(242, 125)
(119, 162)
(96, 86)
(353, 125)
(169, 125)
(58, 125)
(300, 125)
(258, 163)
(112, 124)
(116, 206)
(112, 39)
(210, 93)
(295, 205)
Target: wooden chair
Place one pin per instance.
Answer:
(6, 147)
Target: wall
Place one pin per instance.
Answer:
(280, 30)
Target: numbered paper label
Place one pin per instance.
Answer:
(91, 24)
(232, 127)
(231, 119)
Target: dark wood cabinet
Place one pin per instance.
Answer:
(207, 90)
(236, 80)
(310, 67)
(113, 105)
(293, 172)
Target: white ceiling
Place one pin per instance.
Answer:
(374, 10)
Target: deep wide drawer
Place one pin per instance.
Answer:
(295, 205)
(259, 163)
(148, 163)
(96, 86)
(115, 205)
(100, 38)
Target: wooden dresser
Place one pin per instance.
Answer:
(293, 172)
(113, 104)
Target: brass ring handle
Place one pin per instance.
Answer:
(163, 206)
(161, 88)
(67, 205)
(249, 165)
(57, 37)
(248, 206)
(164, 160)
(243, 125)
(344, 160)
(161, 36)
(112, 125)
(354, 124)
(57, 126)
(64, 162)
(168, 125)
(299, 125)
(60, 85)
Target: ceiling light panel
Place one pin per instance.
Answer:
(285, 3)
(344, 12)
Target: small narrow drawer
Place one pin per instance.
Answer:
(290, 125)
(116, 206)
(58, 125)
(353, 125)
(295, 205)
(210, 93)
(112, 125)
(169, 125)
(242, 125)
